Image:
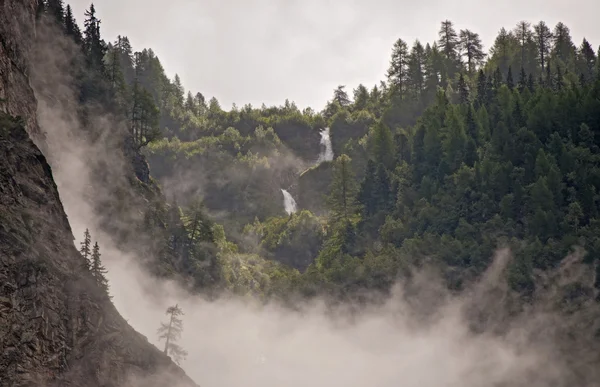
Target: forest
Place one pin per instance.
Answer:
(457, 152)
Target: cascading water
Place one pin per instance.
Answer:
(326, 153)
(289, 202)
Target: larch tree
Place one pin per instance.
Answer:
(449, 43)
(563, 48)
(472, 49)
(171, 332)
(341, 96)
(543, 38)
(397, 73)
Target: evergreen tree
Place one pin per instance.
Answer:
(509, 79)
(416, 70)
(171, 332)
(56, 10)
(340, 96)
(463, 91)
(98, 270)
(342, 196)
(71, 27)
(587, 60)
(86, 248)
(94, 46)
(361, 98)
(398, 72)
(144, 117)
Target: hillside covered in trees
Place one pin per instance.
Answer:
(458, 152)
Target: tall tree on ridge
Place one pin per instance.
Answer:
(472, 48)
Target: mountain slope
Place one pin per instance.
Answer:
(56, 326)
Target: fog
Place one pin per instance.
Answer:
(424, 339)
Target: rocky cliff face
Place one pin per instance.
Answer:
(57, 328)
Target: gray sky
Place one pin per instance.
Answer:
(255, 51)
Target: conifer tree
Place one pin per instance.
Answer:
(86, 248)
(416, 69)
(563, 48)
(448, 43)
(397, 73)
(472, 48)
(361, 98)
(98, 270)
(171, 332)
(71, 27)
(340, 96)
(543, 37)
(342, 197)
(463, 91)
(93, 45)
(56, 10)
(509, 79)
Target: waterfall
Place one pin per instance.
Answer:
(288, 202)
(327, 153)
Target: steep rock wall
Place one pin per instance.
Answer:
(57, 328)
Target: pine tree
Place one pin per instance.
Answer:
(98, 270)
(86, 248)
(171, 332)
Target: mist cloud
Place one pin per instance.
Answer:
(424, 339)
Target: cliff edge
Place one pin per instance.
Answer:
(57, 328)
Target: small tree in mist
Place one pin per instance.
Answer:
(171, 332)
(86, 248)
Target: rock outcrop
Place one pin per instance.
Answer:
(57, 327)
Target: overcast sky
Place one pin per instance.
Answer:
(255, 51)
